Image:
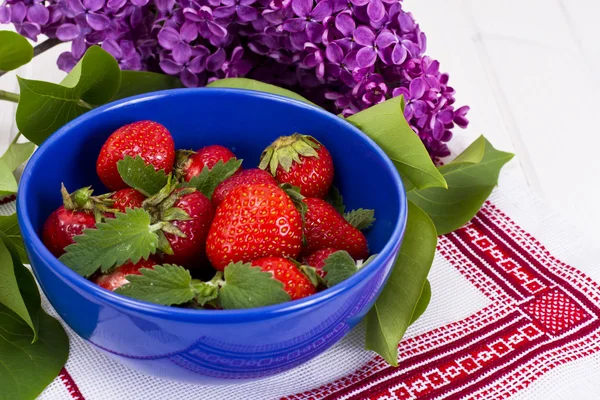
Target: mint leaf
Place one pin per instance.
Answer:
(248, 287)
(423, 302)
(143, 178)
(209, 179)
(471, 178)
(336, 200)
(10, 227)
(400, 298)
(340, 266)
(360, 219)
(250, 84)
(44, 107)
(15, 51)
(167, 285)
(17, 154)
(385, 124)
(129, 236)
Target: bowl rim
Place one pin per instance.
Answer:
(174, 313)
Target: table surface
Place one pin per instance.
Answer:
(528, 69)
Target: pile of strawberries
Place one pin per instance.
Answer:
(209, 213)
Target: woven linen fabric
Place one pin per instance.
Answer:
(515, 313)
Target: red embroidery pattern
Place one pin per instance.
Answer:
(543, 314)
(69, 383)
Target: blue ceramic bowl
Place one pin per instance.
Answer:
(212, 346)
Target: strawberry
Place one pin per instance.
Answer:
(245, 177)
(118, 276)
(317, 260)
(147, 139)
(324, 227)
(254, 221)
(124, 199)
(189, 250)
(79, 211)
(301, 161)
(295, 283)
(190, 164)
(127, 198)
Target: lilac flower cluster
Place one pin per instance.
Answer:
(345, 55)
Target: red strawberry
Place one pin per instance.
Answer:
(124, 199)
(191, 163)
(117, 277)
(301, 161)
(317, 260)
(127, 198)
(189, 251)
(254, 221)
(295, 283)
(245, 177)
(79, 211)
(62, 225)
(325, 227)
(147, 139)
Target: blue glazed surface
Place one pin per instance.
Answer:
(212, 346)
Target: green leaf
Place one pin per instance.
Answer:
(30, 340)
(129, 236)
(143, 178)
(17, 154)
(360, 219)
(423, 302)
(139, 82)
(250, 84)
(340, 266)
(394, 309)
(8, 183)
(15, 51)
(248, 287)
(9, 225)
(205, 292)
(385, 124)
(336, 200)
(166, 285)
(27, 368)
(312, 275)
(44, 107)
(471, 179)
(96, 78)
(209, 179)
(10, 295)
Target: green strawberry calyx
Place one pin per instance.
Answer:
(286, 150)
(182, 162)
(162, 211)
(82, 200)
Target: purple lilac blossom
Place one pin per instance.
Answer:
(345, 55)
